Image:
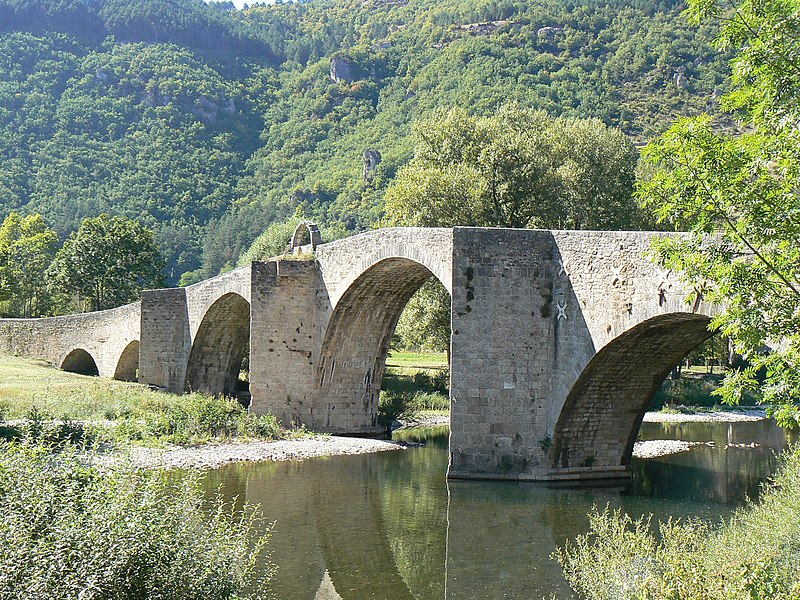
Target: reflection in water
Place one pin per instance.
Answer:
(388, 525)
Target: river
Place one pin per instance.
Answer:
(390, 526)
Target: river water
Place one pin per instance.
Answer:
(390, 526)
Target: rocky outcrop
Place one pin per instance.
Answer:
(341, 70)
(372, 158)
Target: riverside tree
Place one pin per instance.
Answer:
(517, 168)
(27, 247)
(737, 196)
(107, 262)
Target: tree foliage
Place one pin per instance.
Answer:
(107, 263)
(518, 168)
(27, 247)
(737, 196)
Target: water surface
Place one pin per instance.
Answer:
(389, 526)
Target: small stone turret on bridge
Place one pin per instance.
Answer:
(559, 339)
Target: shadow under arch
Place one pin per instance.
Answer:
(219, 346)
(604, 409)
(356, 343)
(80, 361)
(128, 363)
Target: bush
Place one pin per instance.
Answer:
(692, 391)
(756, 554)
(70, 530)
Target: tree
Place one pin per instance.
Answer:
(737, 196)
(518, 168)
(27, 247)
(107, 263)
(272, 242)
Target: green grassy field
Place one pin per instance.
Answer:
(416, 360)
(414, 383)
(34, 392)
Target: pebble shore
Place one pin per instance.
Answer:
(211, 456)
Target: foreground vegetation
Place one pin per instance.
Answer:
(755, 554)
(33, 394)
(73, 530)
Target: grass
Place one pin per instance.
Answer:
(71, 529)
(754, 554)
(417, 360)
(113, 411)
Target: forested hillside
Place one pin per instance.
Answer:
(208, 124)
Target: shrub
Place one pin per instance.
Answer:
(71, 530)
(755, 554)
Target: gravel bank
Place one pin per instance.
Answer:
(656, 448)
(211, 456)
(722, 416)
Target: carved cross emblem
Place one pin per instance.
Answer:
(561, 308)
(616, 277)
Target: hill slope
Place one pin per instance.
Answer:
(208, 123)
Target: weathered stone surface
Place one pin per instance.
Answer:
(372, 158)
(341, 70)
(104, 336)
(559, 340)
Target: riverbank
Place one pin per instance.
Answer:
(213, 455)
(216, 454)
(702, 415)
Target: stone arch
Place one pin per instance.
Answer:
(80, 361)
(219, 346)
(303, 229)
(356, 342)
(128, 363)
(603, 411)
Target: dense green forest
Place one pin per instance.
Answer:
(208, 124)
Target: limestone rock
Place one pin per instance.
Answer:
(372, 158)
(341, 70)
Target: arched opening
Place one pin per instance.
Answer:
(306, 234)
(128, 364)
(219, 347)
(80, 361)
(357, 341)
(604, 409)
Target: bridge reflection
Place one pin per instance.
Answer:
(390, 525)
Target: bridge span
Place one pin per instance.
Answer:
(559, 339)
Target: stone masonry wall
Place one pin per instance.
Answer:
(285, 340)
(504, 327)
(166, 341)
(531, 309)
(103, 334)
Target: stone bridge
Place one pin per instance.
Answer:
(559, 339)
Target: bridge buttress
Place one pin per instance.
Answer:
(502, 352)
(165, 343)
(285, 340)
